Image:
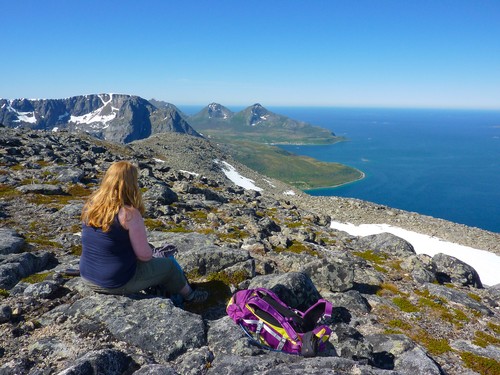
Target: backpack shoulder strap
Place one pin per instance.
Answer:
(318, 313)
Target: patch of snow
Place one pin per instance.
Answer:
(289, 192)
(159, 160)
(188, 172)
(269, 182)
(238, 179)
(484, 262)
(63, 116)
(93, 117)
(25, 117)
(55, 129)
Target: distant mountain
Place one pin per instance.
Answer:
(256, 123)
(113, 117)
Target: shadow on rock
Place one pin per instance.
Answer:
(215, 306)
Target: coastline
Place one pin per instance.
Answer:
(363, 175)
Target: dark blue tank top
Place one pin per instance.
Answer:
(108, 258)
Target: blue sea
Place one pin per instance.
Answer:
(442, 163)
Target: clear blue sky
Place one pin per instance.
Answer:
(425, 53)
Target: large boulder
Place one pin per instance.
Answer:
(154, 325)
(400, 353)
(451, 269)
(14, 267)
(10, 241)
(387, 243)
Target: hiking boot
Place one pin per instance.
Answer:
(197, 296)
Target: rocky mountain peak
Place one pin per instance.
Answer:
(218, 111)
(115, 117)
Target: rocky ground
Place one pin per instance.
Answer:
(395, 312)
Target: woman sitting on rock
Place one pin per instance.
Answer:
(116, 257)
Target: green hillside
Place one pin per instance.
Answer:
(299, 171)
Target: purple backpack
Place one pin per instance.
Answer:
(272, 324)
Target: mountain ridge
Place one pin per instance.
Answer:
(119, 118)
(124, 118)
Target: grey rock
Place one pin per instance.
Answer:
(211, 259)
(44, 189)
(152, 324)
(195, 361)
(494, 292)
(67, 174)
(387, 243)
(351, 300)
(5, 313)
(458, 297)
(491, 351)
(451, 269)
(421, 268)
(10, 241)
(106, 361)
(407, 357)
(156, 370)
(291, 365)
(14, 267)
(45, 289)
(225, 337)
(160, 194)
(350, 343)
(334, 275)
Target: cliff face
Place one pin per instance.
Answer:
(113, 117)
(395, 312)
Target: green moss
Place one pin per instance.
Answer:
(154, 224)
(494, 327)
(7, 191)
(4, 293)
(294, 224)
(37, 277)
(50, 199)
(78, 191)
(483, 339)
(405, 305)
(482, 365)
(475, 297)
(397, 323)
(379, 268)
(460, 315)
(233, 234)
(193, 275)
(371, 256)
(42, 241)
(76, 250)
(297, 248)
(434, 303)
(17, 167)
(434, 345)
(387, 288)
(229, 278)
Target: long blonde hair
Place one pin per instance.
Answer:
(119, 188)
